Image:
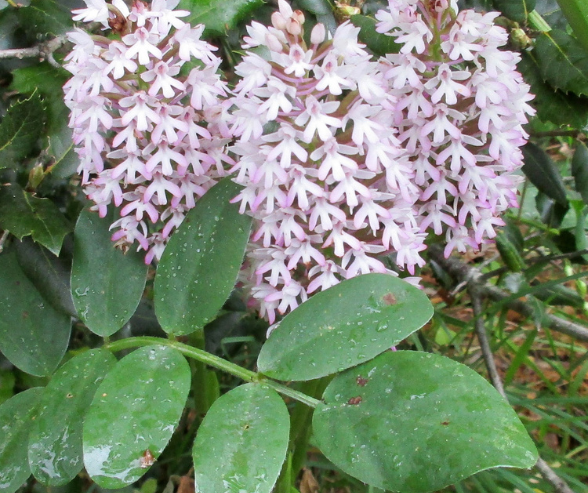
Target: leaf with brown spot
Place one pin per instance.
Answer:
(389, 299)
(147, 459)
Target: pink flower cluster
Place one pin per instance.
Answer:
(343, 158)
(148, 113)
(460, 106)
(327, 184)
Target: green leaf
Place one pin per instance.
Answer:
(344, 326)
(20, 130)
(55, 441)
(15, 416)
(60, 146)
(106, 284)
(218, 16)
(552, 105)
(509, 253)
(378, 43)
(543, 173)
(416, 422)
(48, 273)
(580, 170)
(517, 10)
(134, 414)
(33, 336)
(23, 214)
(46, 17)
(49, 81)
(563, 61)
(242, 442)
(576, 12)
(200, 264)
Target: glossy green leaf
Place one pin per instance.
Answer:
(23, 214)
(64, 160)
(49, 274)
(576, 12)
(552, 105)
(20, 130)
(200, 264)
(517, 10)
(46, 17)
(218, 17)
(55, 441)
(344, 326)
(563, 61)
(15, 416)
(134, 414)
(106, 284)
(33, 335)
(543, 173)
(580, 170)
(416, 422)
(242, 441)
(49, 81)
(509, 253)
(378, 43)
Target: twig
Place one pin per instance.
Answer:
(483, 339)
(475, 286)
(549, 474)
(465, 275)
(44, 51)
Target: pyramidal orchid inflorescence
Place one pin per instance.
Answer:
(460, 106)
(323, 171)
(343, 158)
(148, 114)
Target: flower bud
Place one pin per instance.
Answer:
(299, 16)
(318, 34)
(278, 21)
(293, 27)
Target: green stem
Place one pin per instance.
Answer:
(301, 426)
(199, 380)
(212, 360)
(537, 22)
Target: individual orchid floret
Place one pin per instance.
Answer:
(459, 109)
(149, 130)
(320, 162)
